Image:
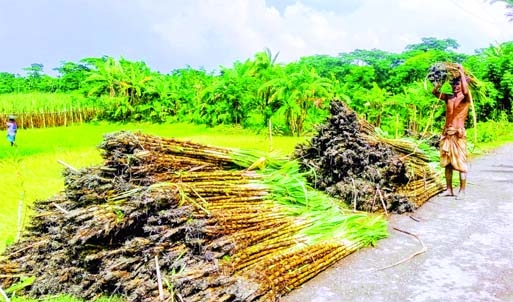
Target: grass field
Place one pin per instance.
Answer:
(31, 170)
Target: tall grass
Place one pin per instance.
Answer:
(39, 101)
(36, 110)
(490, 135)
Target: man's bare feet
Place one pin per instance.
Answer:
(461, 195)
(446, 193)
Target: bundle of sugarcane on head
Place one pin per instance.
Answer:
(441, 72)
(453, 147)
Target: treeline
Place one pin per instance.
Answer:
(388, 89)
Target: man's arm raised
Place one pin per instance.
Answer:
(463, 81)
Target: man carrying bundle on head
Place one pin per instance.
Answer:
(453, 145)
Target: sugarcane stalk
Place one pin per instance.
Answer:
(243, 237)
(255, 253)
(313, 270)
(237, 201)
(474, 116)
(243, 259)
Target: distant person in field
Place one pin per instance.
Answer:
(453, 143)
(12, 128)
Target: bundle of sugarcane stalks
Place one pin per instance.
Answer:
(352, 162)
(441, 72)
(170, 220)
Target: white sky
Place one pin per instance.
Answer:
(171, 34)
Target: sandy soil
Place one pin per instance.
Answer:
(469, 248)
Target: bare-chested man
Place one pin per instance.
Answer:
(453, 145)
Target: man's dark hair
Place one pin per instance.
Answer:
(455, 81)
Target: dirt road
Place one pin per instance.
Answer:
(469, 249)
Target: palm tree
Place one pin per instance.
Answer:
(264, 69)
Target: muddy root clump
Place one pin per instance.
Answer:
(353, 163)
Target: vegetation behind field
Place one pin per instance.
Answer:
(388, 89)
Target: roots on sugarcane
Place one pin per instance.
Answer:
(441, 72)
(356, 165)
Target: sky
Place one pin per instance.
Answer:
(208, 34)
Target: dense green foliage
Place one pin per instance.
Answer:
(388, 89)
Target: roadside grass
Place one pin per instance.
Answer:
(490, 135)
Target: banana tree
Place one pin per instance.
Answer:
(159, 98)
(122, 80)
(104, 77)
(133, 80)
(263, 69)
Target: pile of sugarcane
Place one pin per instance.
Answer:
(169, 220)
(351, 162)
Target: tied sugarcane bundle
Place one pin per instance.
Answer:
(442, 72)
(438, 74)
(209, 223)
(368, 171)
